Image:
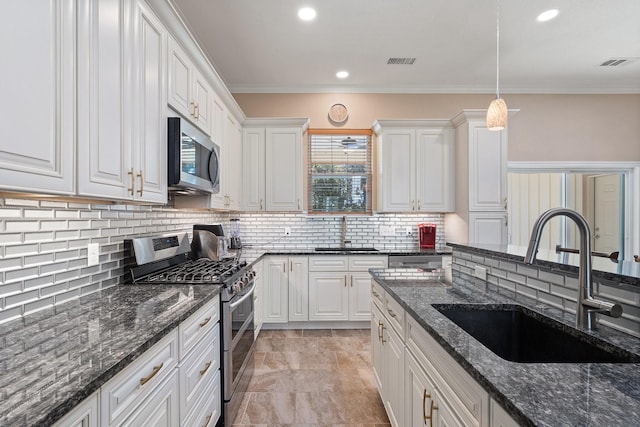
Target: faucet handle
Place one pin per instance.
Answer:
(604, 307)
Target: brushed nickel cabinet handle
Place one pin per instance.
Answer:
(193, 109)
(284, 267)
(352, 281)
(391, 313)
(261, 204)
(290, 265)
(196, 111)
(155, 371)
(379, 331)
(425, 396)
(418, 204)
(205, 321)
(206, 368)
(141, 183)
(345, 280)
(207, 420)
(383, 340)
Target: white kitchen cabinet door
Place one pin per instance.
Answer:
(377, 349)
(38, 71)
(398, 170)
(298, 288)
(275, 290)
(359, 296)
(218, 118)
(488, 228)
(393, 375)
(487, 168)
(83, 415)
(283, 169)
(258, 296)
(233, 162)
(180, 79)
(434, 170)
(328, 296)
(253, 169)
(150, 147)
(419, 393)
(202, 100)
(106, 99)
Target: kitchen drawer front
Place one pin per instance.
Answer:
(160, 409)
(377, 295)
(365, 262)
(209, 408)
(121, 394)
(470, 400)
(198, 325)
(328, 263)
(394, 313)
(198, 370)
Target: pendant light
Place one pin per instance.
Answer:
(497, 112)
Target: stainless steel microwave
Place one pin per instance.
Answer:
(193, 159)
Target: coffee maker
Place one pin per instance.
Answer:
(427, 233)
(209, 242)
(234, 230)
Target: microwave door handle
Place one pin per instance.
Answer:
(234, 304)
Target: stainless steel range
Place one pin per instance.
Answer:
(165, 260)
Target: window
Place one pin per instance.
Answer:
(339, 172)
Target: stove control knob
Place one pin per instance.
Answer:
(236, 287)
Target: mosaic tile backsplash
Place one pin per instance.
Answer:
(43, 243)
(556, 288)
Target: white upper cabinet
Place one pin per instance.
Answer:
(38, 115)
(189, 92)
(487, 167)
(121, 84)
(416, 165)
(272, 178)
(233, 162)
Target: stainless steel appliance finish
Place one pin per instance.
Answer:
(424, 261)
(168, 263)
(193, 159)
(209, 242)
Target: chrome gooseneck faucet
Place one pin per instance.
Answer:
(587, 305)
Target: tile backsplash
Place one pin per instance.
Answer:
(43, 243)
(553, 287)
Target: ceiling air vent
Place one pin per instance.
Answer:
(401, 61)
(615, 62)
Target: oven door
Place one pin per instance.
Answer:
(238, 333)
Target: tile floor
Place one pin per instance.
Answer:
(313, 378)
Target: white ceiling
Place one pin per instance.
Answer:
(262, 46)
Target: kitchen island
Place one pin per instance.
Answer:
(533, 394)
(53, 359)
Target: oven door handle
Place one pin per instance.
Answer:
(234, 304)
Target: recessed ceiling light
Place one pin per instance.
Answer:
(307, 14)
(342, 74)
(547, 15)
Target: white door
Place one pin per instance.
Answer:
(283, 169)
(488, 228)
(377, 350)
(275, 292)
(398, 170)
(393, 376)
(360, 296)
(606, 227)
(202, 95)
(253, 174)
(419, 394)
(180, 80)
(487, 168)
(160, 409)
(38, 70)
(150, 149)
(298, 289)
(233, 161)
(434, 170)
(328, 296)
(106, 100)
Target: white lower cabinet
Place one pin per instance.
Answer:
(419, 382)
(258, 309)
(340, 286)
(160, 409)
(285, 288)
(83, 415)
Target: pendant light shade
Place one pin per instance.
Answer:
(497, 113)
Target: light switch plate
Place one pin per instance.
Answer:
(93, 254)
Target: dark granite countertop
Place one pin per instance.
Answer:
(535, 394)
(51, 360)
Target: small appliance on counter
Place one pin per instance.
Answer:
(234, 230)
(427, 233)
(209, 242)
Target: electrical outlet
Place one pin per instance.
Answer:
(386, 231)
(93, 254)
(408, 231)
(481, 272)
(287, 231)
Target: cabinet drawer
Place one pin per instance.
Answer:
(198, 370)
(120, 395)
(364, 263)
(377, 295)
(197, 325)
(394, 313)
(463, 392)
(328, 263)
(159, 409)
(208, 409)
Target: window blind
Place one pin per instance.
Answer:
(339, 172)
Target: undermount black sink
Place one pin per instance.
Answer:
(519, 335)
(346, 250)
